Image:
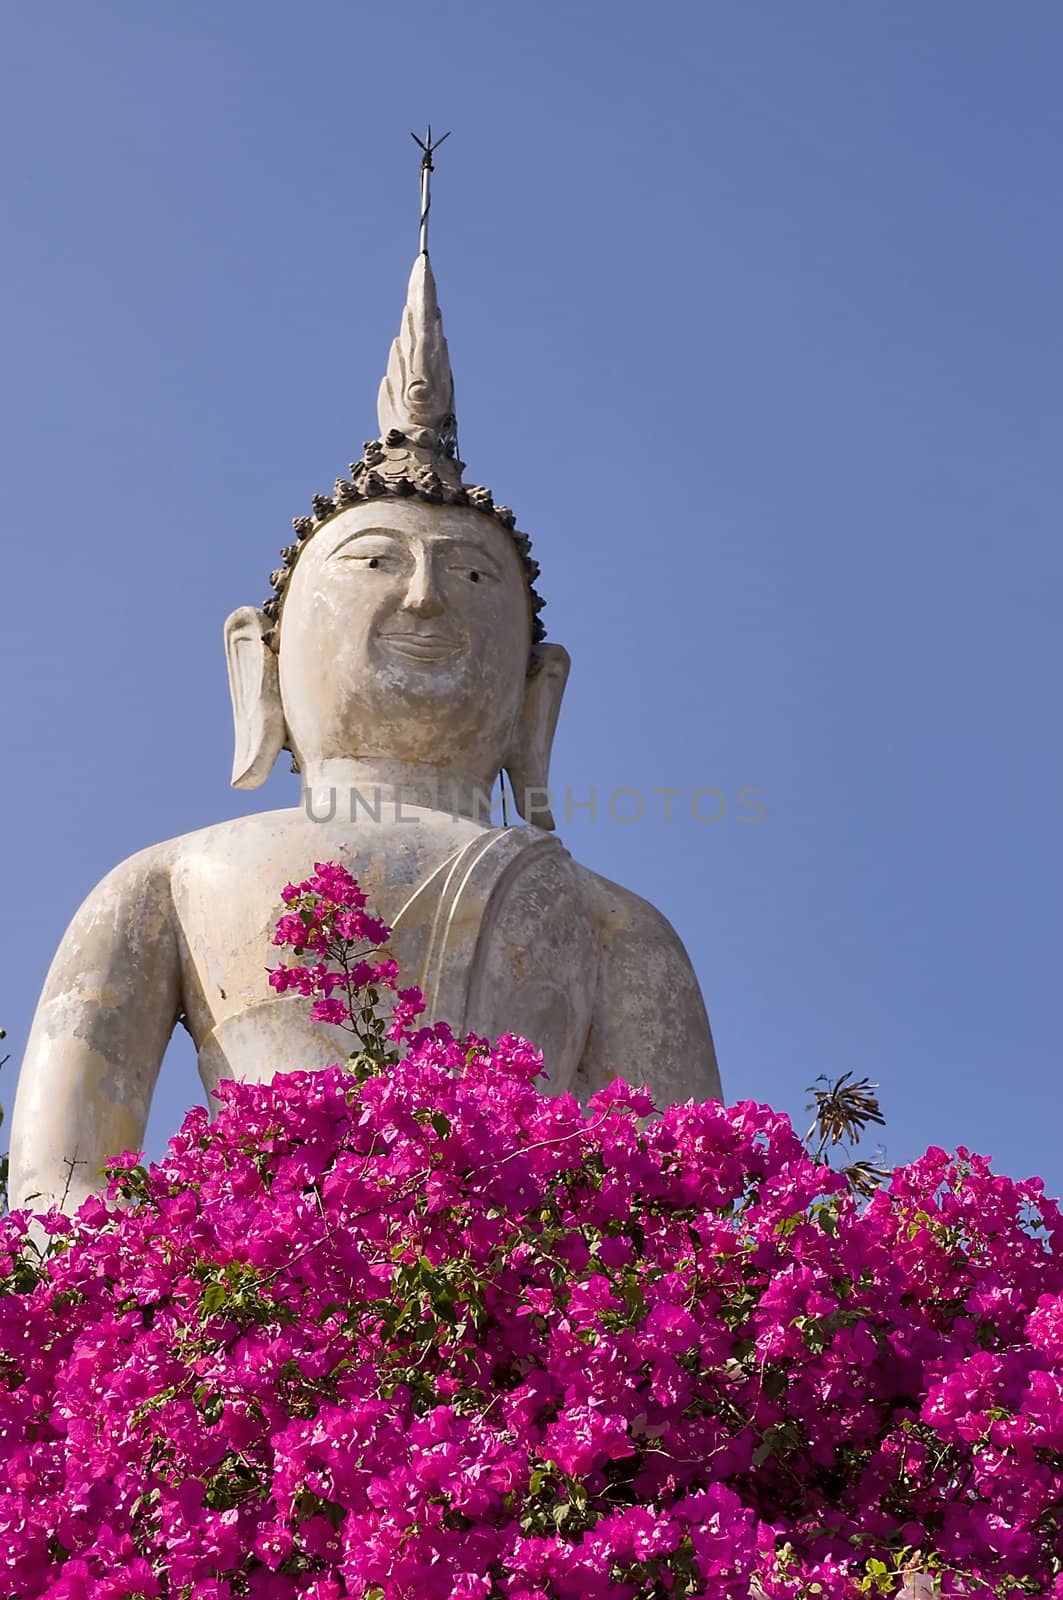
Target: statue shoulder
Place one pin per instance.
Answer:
(150, 872)
(260, 829)
(147, 870)
(133, 895)
(620, 912)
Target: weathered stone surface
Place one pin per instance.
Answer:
(403, 673)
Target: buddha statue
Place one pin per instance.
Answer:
(402, 662)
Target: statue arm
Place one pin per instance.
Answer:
(104, 1018)
(650, 1024)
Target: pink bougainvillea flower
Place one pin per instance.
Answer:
(411, 1328)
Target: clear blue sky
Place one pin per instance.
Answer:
(755, 315)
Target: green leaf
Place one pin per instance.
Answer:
(776, 1383)
(215, 1296)
(211, 1405)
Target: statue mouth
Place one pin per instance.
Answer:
(422, 646)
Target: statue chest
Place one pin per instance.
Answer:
(491, 923)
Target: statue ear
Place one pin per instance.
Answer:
(528, 764)
(258, 719)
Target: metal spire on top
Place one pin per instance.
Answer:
(428, 149)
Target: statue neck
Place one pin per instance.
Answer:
(368, 787)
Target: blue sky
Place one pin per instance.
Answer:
(755, 317)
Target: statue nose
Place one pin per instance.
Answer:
(422, 597)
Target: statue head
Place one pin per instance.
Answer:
(404, 625)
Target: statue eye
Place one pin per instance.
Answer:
(377, 554)
(464, 565)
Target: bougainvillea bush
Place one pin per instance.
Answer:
(413, 1329)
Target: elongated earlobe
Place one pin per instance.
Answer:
(258, 718)
(528, 765)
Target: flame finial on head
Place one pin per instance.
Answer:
(417, 394)
(417, 452)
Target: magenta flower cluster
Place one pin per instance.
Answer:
(423, 1332)
(326, 917)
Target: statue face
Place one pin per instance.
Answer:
(405, 635)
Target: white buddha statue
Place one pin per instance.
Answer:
(402, 662)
